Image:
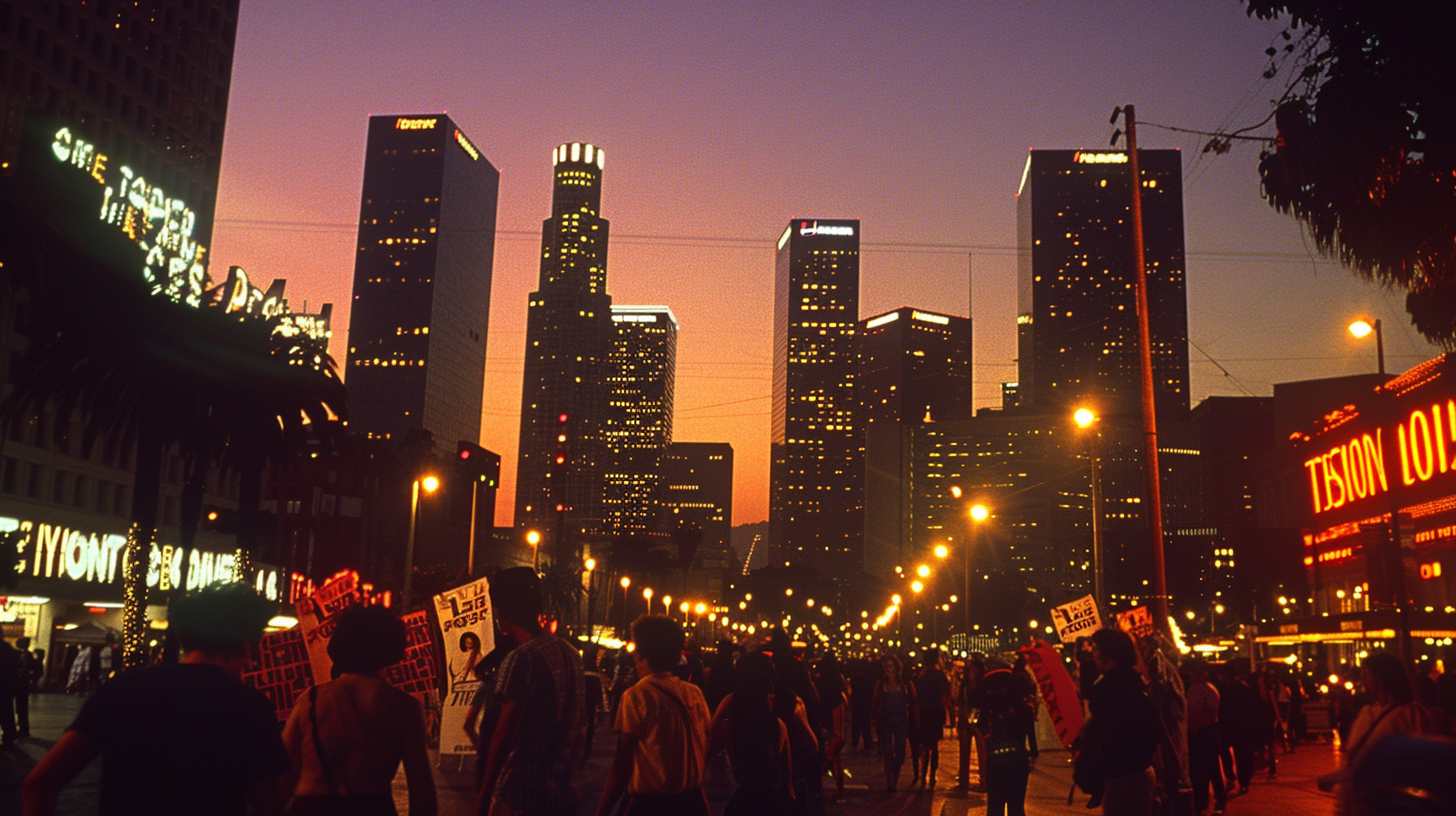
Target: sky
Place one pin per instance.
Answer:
(722, 122)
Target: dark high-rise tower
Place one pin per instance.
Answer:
(639, 423)
(816, 500)
(569, 337)
(421, 281)
(915, 367)
(1077, 321)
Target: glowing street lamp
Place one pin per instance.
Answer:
(941, 551)
(917, 587)
(667, 605)
(923, 571)
(430, 485)
(533, 537)
(979, 513)
(1361, 329)
(1085, 418)
(647, 596)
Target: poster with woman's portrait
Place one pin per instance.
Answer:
(468, 630)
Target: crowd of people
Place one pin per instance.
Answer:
(191, 737)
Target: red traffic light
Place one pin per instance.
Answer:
(465, 453)
(561, 418)
(561, 460)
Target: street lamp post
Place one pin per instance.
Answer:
(430, 485)
(625, 582)
(1362, 329)
(647, 597)
(533, 537)
(1085, 419)
(591, 594)
(979, 514)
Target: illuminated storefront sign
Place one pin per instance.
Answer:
(406, 123)
(926, 317)
(175, 264)
(1085, 157)
(83, 557)
(161, 226)
(466, 145)
(815, 228)
(1358, 468)
(1431, 570)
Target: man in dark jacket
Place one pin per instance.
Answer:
(1122, 731)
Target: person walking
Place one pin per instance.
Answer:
(1238, 707)
(1203, 739)
(182, 738)
(31, 668)
(348, 737)
(833, 717)
(862, 703)
(536, 750)
(896, 712)
(932, 690)
(1121, 734)
(12, 673)
(662, 731)
(1008, 702)
(757, 742)
(968, 728)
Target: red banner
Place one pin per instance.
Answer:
(1057, 689)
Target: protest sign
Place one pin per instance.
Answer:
(1058, 691)
(1136, 622)
(467, 629)
(1076, 619)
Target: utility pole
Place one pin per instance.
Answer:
(1145, 353)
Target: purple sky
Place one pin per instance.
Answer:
(722, 123)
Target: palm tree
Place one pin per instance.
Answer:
(226, 389)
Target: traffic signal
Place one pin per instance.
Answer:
(482, 465)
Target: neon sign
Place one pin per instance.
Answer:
(466, 145)
(406, 123)
(60, 552)
(1431, 571)
(160, 225)
(815, 228)
(1084, 157)
(1357, 469)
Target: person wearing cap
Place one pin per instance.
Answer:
(536, 750)
(182, 738)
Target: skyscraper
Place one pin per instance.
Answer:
(638, 426)
(1077, 320)
(915, 367)
(816, 501)
(697, 488)
(422, 275)
(569, 337)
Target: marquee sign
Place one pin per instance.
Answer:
(92, 560)
(175, 263)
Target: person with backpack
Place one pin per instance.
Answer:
(662, 731)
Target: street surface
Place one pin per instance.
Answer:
(1293, 793)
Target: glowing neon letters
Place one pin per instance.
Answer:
(815, 228)
(162, 226)
(1356, 469)
(406, 123)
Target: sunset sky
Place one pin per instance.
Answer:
(721, 122)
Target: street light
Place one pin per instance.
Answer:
(1361, 329)
(591, 593)
(430, 484)
(979, 514)
(625, 583)
(647, 596)
(667, 605)
(1085, 418)
(923, 571)
(533, 537)
(941, 551)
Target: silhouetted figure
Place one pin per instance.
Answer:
(181, 738)
(758, 747)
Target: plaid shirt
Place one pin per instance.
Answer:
(544, 677)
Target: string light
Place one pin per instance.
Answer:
(134, 597)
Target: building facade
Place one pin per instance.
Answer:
(1077, 313)
(697, 488)
(422, 275)
(569, 338)
(816, 493)
(638, 429)
(915, 368)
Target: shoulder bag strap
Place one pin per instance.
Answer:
(1355, 749)
(318, 743)
(682, 712)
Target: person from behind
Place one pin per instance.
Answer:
(1008, 704)
(932, 689)
(757, 742)
(536, 750)
(897, 713)
(183, 738)
(833, 717)
(1203, 739)
(662, 731)
(348, 737)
